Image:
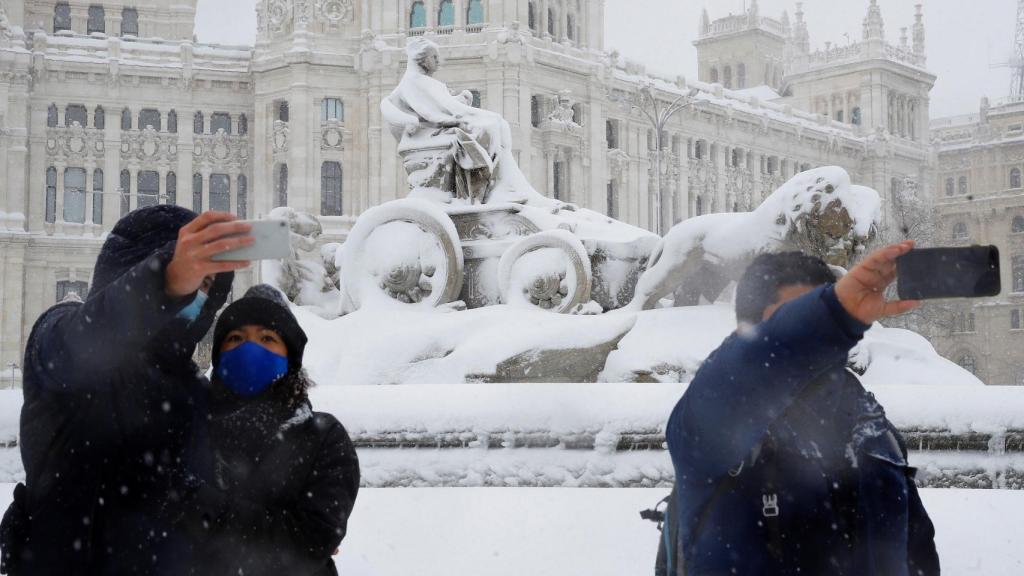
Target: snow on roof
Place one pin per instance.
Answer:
(763, 92)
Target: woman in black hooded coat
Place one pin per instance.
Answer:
(278, 480)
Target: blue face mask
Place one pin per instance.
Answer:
(192, 311)
(250, 369)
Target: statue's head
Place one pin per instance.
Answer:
(425, 55)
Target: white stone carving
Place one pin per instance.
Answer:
(335, 12)
(548, 270)
(281, 136)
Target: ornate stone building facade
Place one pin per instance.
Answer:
(106, 106)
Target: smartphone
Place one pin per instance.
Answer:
(273, 241)
(930, 273)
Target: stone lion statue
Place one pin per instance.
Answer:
(817, 212)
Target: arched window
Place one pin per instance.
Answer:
(220, 121)
(99, 118)
(61, 17)
(330, 189)
(1018, 274)
(446, 13)
(76, 113)
(51, 195)
(74, 195)
(149, 117)
(727, 76)
(332, 109)
(172, 122)
(714, 75)
(968, 362)
(197, 193)
(963, 185)
(220, 192)
(129, 22)
(950, 187)
(97, 20)
(1015, 178)
(281, 185)
(148, 193)
(531, 16)
(281, 111)
(1018, 225)
(52, 116)
(198, 123)
(741, 76)
(97, 196)
(536, 113)
(698, 150)
(475, 12)
(125, 192)
(242, 204)
(960, 231)
(417, 16)
(243, 125)
(126, 119)
(172, 188)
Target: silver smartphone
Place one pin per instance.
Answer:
(273, 241)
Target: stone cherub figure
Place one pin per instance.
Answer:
(452, 151)
(817, 212)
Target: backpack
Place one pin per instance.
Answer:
(670, 559)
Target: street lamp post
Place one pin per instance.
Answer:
(659, 115)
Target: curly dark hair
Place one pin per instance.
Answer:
(292, 389)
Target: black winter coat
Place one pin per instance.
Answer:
(109, 409)
(281, 484)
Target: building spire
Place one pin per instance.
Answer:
(874, 27)
(705, 22)
(801, 37)
(754, 14)
(919, 31)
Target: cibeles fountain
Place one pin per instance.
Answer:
(476, 276)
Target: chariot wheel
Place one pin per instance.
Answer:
(402, 253)
(548, 270)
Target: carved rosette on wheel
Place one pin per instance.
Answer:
(405, 252)
(549, 270)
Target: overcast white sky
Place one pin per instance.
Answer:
(965, 38)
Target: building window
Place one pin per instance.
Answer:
(531, 16)
(1018, 274)
(570, 27)
(172, 122)
(552, 22)
(243, 125)
(1018, 225)
(129, 22)
(960, 231)
(97, 196)
(535, 111)
(714, 75)
(477, 100)
(197, 193)
(51, 116)
(172, 189)
(651, 144)
(417, 17)
(968, 362)
(475, 12)
(126, 119)
(963, 185)
(330, 189)
(76, 113)
(611, 134)
(242, 204)
(855, 117)
(61, 17)
(560, 180)
(332, 109)
(446, 13)
(220, 192)
(149, 118)
(74, 195)
(198, 123)
(281, 112)
(613, 199)
(51, 195)
(727, 76)
(99, 119)
(1015, 178)
(1015, 319)
(97, 20)
(149, 189)
(281, 185)
(74, 291)
(125, 192)
(839, 116)
(741, 76)
(950, 187)
(220, 121)
(699, 206)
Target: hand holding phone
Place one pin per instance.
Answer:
(931, 273)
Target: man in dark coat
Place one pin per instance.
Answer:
(784, 464)
(280, 479)
(111, 396)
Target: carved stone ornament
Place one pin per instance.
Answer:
(281, 136)
(75, 143)
(279, 13)
(335, 12)
(332, 137)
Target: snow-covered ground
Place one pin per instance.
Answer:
(598, 532)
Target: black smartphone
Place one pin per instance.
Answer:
(929, 273)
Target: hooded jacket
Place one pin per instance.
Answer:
(111, 400)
